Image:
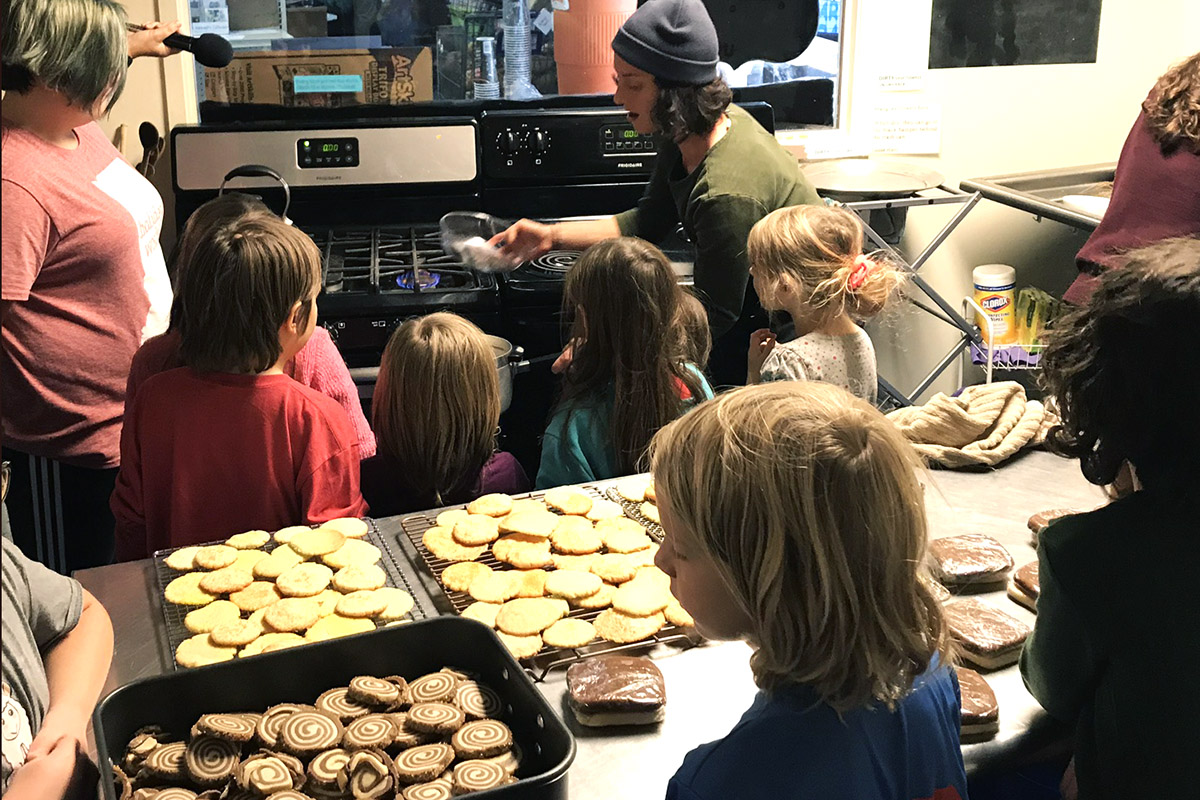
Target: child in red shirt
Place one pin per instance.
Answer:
(229, 442)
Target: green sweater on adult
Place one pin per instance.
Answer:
(1116, 648)
(745, 176)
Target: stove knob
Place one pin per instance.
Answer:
(541, 141)
(509, 143)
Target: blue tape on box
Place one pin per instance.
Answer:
(302, 84)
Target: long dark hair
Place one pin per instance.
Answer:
(623, 301)
(683, 111)
(1114, 368)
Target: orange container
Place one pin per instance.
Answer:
(583, 34)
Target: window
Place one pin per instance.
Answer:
(339, 53)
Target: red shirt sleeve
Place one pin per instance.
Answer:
(26, 236)
(328, 485)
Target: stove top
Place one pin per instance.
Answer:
(381, 260)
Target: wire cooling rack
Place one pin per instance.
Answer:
(173, 613)
(548, 658)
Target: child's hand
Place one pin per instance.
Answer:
(149, 42)
(563, 361)
(762, 342)
(58, 730)
(48, 776)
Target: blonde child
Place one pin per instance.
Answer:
(1120, 666)
(794, 520)
(436, 410)
(229, 442)
(318, 365)
(808, 261)
(630, 371)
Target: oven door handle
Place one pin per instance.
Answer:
(364, 374)
(260, 171)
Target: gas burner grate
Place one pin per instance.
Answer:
(382, 260)
(425, 279)
(556, 260)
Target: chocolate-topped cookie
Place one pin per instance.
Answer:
(972, 558)
(1023, 587)
(989, 638)
(980, 711)
(616, 690)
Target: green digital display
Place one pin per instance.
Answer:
(629, 134)
(330, 147)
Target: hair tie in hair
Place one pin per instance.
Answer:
(862, 266)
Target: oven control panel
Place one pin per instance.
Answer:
(563, 144)
(327, 152)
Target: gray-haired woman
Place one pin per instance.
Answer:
(84, 280)
(718, 171)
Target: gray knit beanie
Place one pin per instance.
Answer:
(673, 40)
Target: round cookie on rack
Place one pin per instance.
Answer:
(183, 559)
(613, 567)
(185, 590)
(537, 523)
(476, 529)
(226, 580)
(205, 618)
(650, 511)
(317, 542)
(677, 615)
(447, 518)
(458, 577)
(601, 599)
(363, 603)
(605, 509)
(569, 633)
(246, 559)
(482, 612)
(521, 646)
(531, 582)
(523, 553)
(399, 603)
(440, 542)
(236, 633)
(215, 556)
(495, 587)
(526, 616)
(569, 500)
(492, 505)
(623, 628)
(284, 535)
(359, 577)
(292, 614)
(272, 640)
(249, 540)
(572, 584)
(641, 597)
(354, 551)
(255, 596)
(350, 527)
(576, 536)
(623, 535)
(335, 625)
(277, 562)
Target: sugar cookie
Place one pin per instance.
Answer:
(650, 511)
(446, 519)
(613, 567)
(531, 582)
(526, 616)
(568, 584)
(640, 598)
(493, 505)
(246, 559)
(677, 615)
(623, 535)
(335, 625)
(363, 603)
(525, 554)
(569, 633)
(651, 492)
(304, 580)
(235, 633)
(521, 646)
(527, 504)
(215, 556)
(317, 542)
(622, 628)
(292, 614)
(185, 590)
(495, 587)
(644, 558)
(350, 527)
(475, 529)
(576, 536)
(482, 612)
(268, 639)
(327, 601)
(359, 577)
(458, 577)
(399, 602)
(601, 599)
(199, 650)
(440, 542)
(633, 489)
(280, 560)
(205, 618)
(183, 559)
(604, 509)
(250, 540)
(583, 563)
(537, 523)
(354, 551)
(256, 595)
(569, 500)
(226, 580)
(284, 535)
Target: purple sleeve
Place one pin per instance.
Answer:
(503, 473)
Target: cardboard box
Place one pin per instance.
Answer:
(324, 78)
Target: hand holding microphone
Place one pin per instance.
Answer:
(163, 39)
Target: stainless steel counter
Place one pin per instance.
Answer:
(709, 686)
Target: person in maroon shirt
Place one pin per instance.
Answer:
(1156, 188)
(436, 410)
(229, 442)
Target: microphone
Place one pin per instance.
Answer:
(209, 49)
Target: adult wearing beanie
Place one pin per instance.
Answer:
(718, 171)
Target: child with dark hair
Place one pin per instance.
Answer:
(1116, 646)
(318, 365)
(229, 442)
(629, 373)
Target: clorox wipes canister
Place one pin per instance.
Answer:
(994, 284)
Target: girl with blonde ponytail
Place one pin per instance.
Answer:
(809, 262)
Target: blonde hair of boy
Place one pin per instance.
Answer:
(807, 500)
(236, 290)
(819, 250)
(437, 404)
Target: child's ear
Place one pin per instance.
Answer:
(294, 322)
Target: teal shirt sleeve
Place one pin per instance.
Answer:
(1059, 661)
(574, 449)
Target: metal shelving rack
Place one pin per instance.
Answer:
(941, 309)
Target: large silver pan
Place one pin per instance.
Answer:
(852, 179)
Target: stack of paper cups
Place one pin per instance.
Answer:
(487, 84)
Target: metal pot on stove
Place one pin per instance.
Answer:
(510, 361)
